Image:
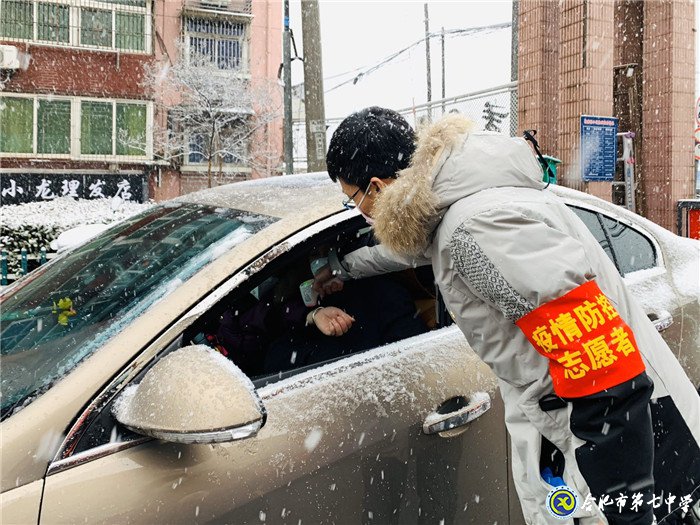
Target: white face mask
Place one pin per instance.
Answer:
(369, 219)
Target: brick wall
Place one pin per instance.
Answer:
(586, 33)
(667, 146)
(190, 182)
(164, 184)
(580, 43)
(538, 71)
(78, 72)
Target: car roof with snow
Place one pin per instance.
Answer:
(312, 196)
(282, 196)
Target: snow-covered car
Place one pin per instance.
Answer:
(116, 409)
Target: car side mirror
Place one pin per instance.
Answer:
(193, 395)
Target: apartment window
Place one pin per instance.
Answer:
(131, 129)
(130, 31)
(96, 27)
(229, 147)
(53, 126)
(224, 42)
(197, 151)
(17, 19)
(106, 24)
(97, 121)
(53, 24)
(96, 128)
(16, 124)
(74, 127)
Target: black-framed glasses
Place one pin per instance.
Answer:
(349, 203)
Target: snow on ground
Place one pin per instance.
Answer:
(66, 213)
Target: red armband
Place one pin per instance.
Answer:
(589, 346)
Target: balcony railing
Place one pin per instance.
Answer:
(221, 6)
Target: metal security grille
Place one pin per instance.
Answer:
(111, 24)
(491, 109)
(221, 41)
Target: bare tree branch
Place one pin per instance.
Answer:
(221, 111)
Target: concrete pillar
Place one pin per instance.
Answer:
(586, 31)
(628, 87)
(538, 71)
(164, 184)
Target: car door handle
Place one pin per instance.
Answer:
(467, 410)
(661, 320)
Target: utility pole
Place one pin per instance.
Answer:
(442, 45)
(427, 58)
(313, 87)
(287, 66)
(514, 67)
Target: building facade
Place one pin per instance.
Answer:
(626, 59)
(80, 114)
(74, 117)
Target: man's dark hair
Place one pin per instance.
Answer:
(374, 142)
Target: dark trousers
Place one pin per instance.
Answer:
(618, 454)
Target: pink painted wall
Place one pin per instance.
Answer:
(265, 60)
(265, 56)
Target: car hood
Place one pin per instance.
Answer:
(30, 438)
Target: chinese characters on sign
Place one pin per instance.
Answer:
(25, 187)
(637, 501)
(598, 148)
(589, 346)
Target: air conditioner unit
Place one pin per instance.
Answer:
(9, 57)
(215, 4)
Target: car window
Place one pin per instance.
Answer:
(67, 309)
(263, 327)
(590, 219)
(633, 250)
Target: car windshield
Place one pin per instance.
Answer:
(63, 312)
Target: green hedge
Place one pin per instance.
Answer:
(31, 237)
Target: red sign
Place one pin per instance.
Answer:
(589, 346)
(694, 224)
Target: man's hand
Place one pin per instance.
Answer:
(332, 321)
(325, 283)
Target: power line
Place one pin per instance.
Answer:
(365, 71)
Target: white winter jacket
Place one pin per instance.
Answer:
(501, 245)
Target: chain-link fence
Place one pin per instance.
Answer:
(493, 109)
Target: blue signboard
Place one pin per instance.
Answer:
(598, 148)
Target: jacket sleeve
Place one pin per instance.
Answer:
(372, 260)
(541, 280)
(516, 263)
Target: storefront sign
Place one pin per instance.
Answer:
(18, 188)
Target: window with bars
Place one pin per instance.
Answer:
(222, 41)
(107, 24)
(74, 127)
(229, 147)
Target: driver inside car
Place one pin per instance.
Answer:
(283, 324)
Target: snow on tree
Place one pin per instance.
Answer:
(493, 117)
(213, 116)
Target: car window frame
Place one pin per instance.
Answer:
(64, 458)
(659, 260)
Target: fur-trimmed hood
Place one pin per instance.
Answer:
(451, 162)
